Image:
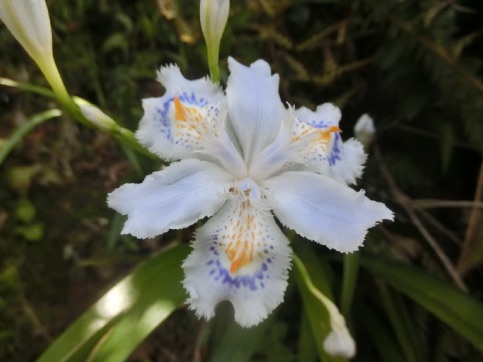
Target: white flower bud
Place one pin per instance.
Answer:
(213, 16)
(339, 343)
(95, 116)
(364, 129)
(29, 22)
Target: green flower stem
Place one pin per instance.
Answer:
(122, 134)
(213, 55)
(51, 73)
(351, 269)
(27, 87)
(336, 319)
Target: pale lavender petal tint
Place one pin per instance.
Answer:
(241, 155)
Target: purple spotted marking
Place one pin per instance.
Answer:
(318, 124)
(164, 110)
(336, 150)
(219, 273)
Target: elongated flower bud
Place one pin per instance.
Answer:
(29, 22)
(213, 17)
(95, 116)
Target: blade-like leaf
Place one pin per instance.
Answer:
(459, 310)
(236, 343)
(118, 322)
(349, 281)
(21, 131)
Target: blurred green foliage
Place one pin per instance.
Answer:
(414, 66)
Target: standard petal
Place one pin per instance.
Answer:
(242, 256)
(173, 198)
(324, 210)
(254, 105)
(174, 125)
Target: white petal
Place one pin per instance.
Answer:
(173, 198)
(324, 210)
(174, 124)
(239, 255)
(346, 159)
(254, 105)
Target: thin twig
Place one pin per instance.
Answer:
(432, 220)
(474, 225)
(405, 202)
(432, 203)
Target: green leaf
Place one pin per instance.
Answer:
(351, 270)
(403, 326)
(118, 322)
(459, 310)
(306, 346)
(384, 342)
(21, 131)
(232, 342)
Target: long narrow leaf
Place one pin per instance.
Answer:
(459, 310)
(238, 344)
(21, 131)
(119, 321)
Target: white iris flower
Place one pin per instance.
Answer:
(241, 155)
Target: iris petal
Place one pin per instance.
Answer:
(239, 255)
(326, 153)
(173, 198)
(254, 105)
(174, 125)
(324, 210)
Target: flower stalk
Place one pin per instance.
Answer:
(338, 342)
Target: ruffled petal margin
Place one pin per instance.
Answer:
(242, 256)
(324, 210)
(173, 198)
(327, 154)
(346, 159)
(174, 125)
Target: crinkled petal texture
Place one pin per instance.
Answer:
(326, 153)
(346, 159)
(176, 124)
(254, 106)
(173, 198)
(324, 210)
(239, 255)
